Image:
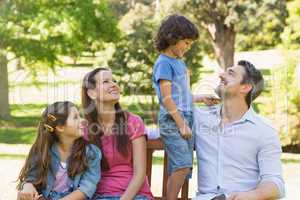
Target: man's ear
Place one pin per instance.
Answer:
(246, 88)
(91, 94)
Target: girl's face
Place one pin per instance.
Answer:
(106, 90)
(181, 47)
(75, 126)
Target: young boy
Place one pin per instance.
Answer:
(170, 80)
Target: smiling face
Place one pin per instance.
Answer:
(181, 47)
(231, 83)
(106, 89)
(75, 126)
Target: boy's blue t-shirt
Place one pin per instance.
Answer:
(174, 70)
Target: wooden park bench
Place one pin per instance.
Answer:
(153, 145)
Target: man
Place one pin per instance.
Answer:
(238, 152)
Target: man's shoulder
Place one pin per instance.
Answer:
(264, 124)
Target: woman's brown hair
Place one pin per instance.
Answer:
(39, 158)
(91, 114)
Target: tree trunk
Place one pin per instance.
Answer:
(4, 100)
(223, 38)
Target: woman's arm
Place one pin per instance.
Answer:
(139, 168)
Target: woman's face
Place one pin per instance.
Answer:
(106, 89)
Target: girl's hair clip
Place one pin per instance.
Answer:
(49, 128)
(51, 117)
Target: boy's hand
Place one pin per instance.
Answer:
(209, 100)
(186, 132)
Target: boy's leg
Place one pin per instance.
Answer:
(175, 182)
(179, 151)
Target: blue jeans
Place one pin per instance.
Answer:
(178, 149)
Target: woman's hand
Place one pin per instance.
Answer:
(28, 192)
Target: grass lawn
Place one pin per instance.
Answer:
(19, 135)
(12, 156)
(21, 129)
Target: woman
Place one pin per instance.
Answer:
(119, 135)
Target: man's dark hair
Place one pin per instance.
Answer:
(174, 28)
(253, 77)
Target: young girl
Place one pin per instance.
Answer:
(60, 164)
(171, 82)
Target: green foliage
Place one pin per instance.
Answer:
(283, 103)
(121, 7)
(261, 24)
(133, 59)
(42, 30)
(294, 107)
(258, 24)
(291, 34)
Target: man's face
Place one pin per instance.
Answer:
(230, 83)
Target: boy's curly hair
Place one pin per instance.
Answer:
(174, 28)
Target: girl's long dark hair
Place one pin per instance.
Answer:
(39, 158)
(91, 114)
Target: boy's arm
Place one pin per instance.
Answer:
(166, 93)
